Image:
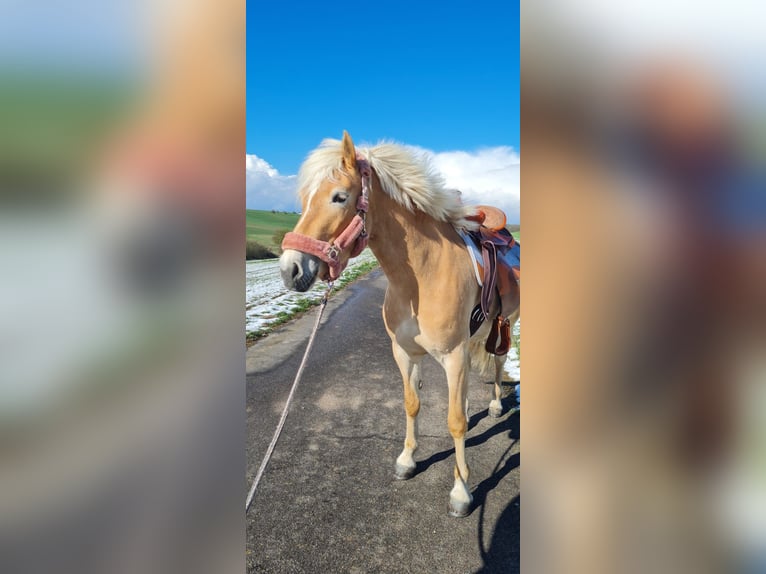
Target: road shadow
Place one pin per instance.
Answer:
(504, 553)
(508, 423)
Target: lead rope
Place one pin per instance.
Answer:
(283, 418)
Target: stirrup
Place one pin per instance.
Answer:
(505, 336)
(500, 327)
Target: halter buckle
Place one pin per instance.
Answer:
(333, 252)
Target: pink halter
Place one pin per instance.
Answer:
(355, 234)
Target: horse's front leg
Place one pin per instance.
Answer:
(410, 369)
(456, 367)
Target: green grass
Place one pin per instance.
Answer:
(51, 127)
(262, 225)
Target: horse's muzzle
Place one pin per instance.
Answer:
(299, 270)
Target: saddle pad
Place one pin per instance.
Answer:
(511, 258)
(475, 252)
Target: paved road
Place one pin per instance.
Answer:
(328, 502)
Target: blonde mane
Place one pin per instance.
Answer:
(409, 179)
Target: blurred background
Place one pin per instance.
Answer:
(645, 287)
(122, 136)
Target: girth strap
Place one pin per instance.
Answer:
(489, 255)
(491, 242)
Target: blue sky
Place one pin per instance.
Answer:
(444, 76)
(441, 76)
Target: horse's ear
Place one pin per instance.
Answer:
(349, 153)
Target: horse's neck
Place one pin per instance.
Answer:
(405, 243)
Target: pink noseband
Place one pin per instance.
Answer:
(354, 236)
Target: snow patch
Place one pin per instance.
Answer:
(267, 299)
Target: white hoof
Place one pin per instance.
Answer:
(402, 472)
(460, 500)
(495, 409)
(459, 509)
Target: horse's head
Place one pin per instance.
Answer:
(331, 228)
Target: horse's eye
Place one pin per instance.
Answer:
(339, 197)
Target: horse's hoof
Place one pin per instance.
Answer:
(495, 412)
(459, 509)
(402, 472)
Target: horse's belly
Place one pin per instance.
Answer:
(410, 337)
(434, 325)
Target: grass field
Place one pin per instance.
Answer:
(261, 225)
(51, 126)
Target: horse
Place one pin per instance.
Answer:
(392, 199)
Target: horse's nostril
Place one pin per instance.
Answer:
(298, 271)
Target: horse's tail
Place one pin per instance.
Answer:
(481, 361)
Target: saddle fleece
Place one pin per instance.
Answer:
(511, 258)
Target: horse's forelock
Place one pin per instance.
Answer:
(321, 164)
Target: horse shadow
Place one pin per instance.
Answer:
(509, 423)
(503, 554)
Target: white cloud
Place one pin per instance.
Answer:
(488, 175)
(267, 189)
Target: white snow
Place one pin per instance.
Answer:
(266, 297)
(512, 358)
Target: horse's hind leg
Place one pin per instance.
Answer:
(410, 369)
(496, 406)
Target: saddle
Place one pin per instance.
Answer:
(501, 269)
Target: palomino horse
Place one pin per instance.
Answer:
(388, 196)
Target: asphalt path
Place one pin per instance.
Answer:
(328, 501)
